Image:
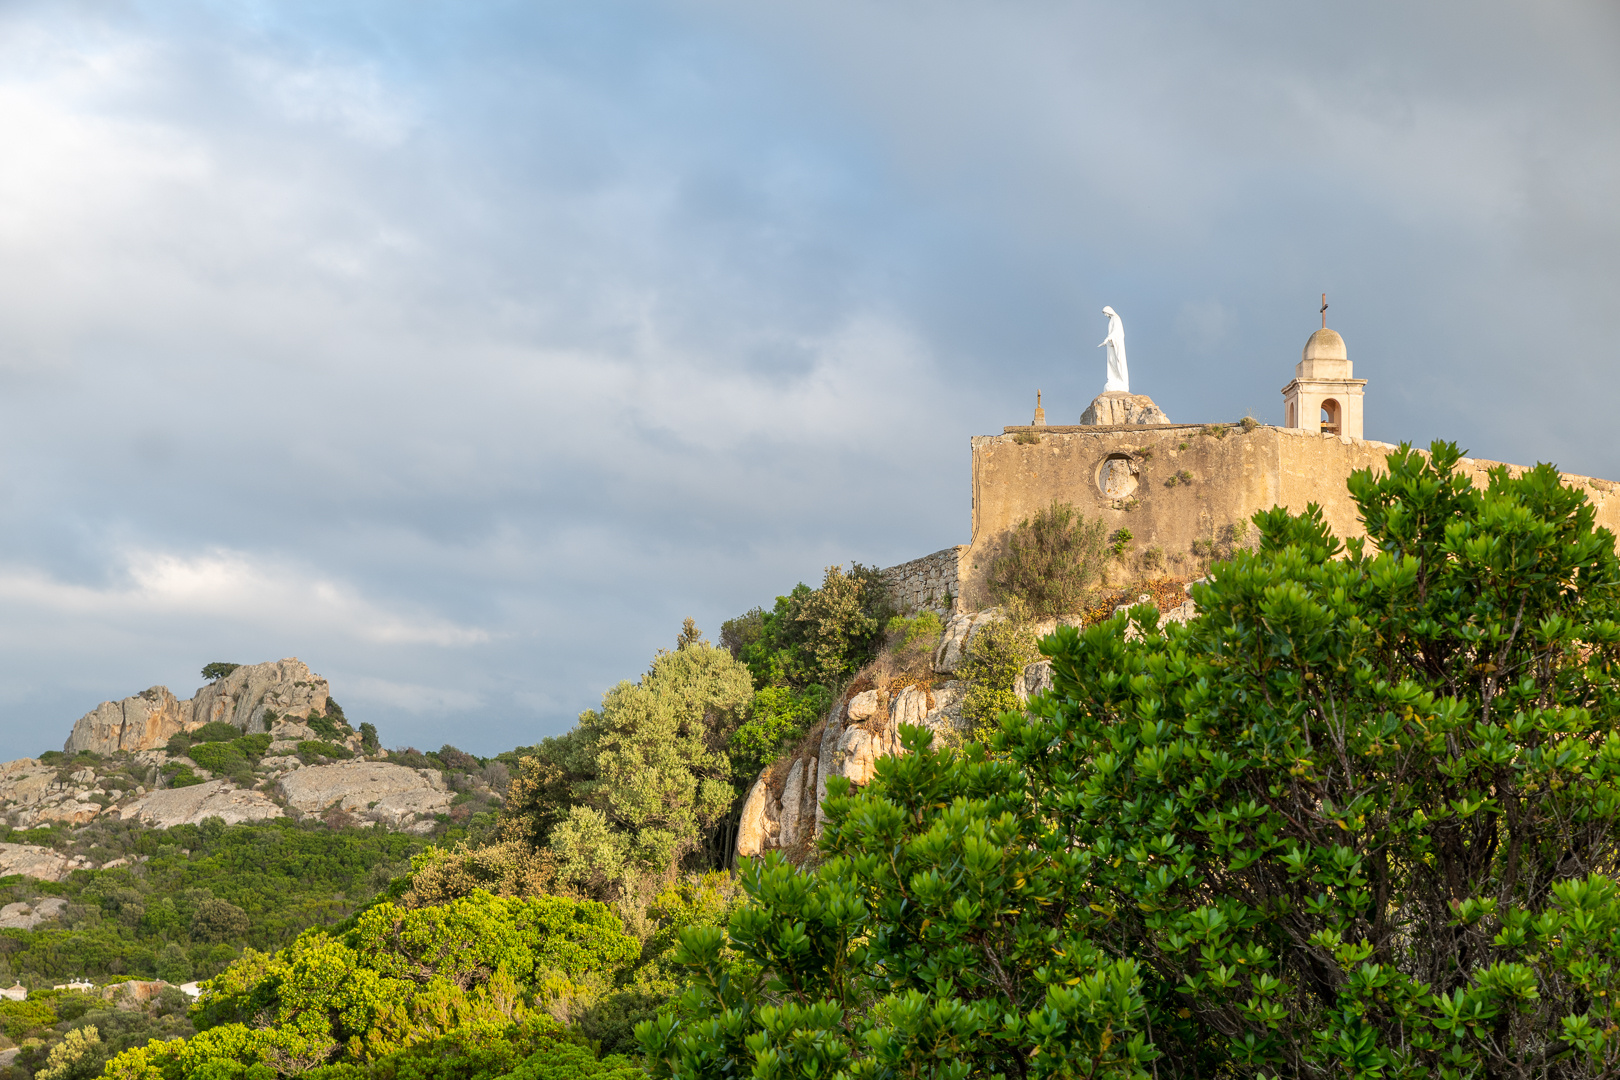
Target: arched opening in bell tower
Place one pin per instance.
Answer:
(1330, 417)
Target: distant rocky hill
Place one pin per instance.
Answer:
(264, 741)
(255, 697)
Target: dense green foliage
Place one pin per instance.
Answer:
(67, 1035)
(218, 670)
(436, 991)
(994, 664)
(1049, 562)
(194, 896)
(777, 716)
(625, 799)
(1357, 819)
(813, 636)
(798, 653)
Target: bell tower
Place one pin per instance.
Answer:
(1323, 397)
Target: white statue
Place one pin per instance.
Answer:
(1118, 377)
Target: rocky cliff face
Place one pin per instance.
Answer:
(135, 723)
(246, 698)
(248, 695)
(783, 808)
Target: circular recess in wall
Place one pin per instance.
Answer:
(1116, 476)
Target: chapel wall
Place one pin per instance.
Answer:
(1192, 490)
(926, 582)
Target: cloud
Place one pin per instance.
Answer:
(232, 586)
(410, 697)
(463, 352)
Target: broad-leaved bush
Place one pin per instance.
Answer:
(1356, 819)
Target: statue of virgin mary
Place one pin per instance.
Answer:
(1119, 377)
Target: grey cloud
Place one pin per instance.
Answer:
(483, 344)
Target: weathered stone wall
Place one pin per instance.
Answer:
(1185, 493)
(925, 582)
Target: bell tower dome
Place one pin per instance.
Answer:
(1323, 396)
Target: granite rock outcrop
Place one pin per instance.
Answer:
(1115, 408)
(194, 804)
(31, 860)
(27, 914)
(368, 790)
(140, 722)
(783, 808)
(252, 698)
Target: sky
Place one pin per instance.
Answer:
(462, 349)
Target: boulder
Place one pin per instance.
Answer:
(1115, 408)
(1036, 677)
(959, 631)
(73, 807)
(25, 782)
(27, 915)
(136, 723)
(195, 804)
(863, 706)
(33, 861)
(751, 826)
(370, 790)
(135, 994)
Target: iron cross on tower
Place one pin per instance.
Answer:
(1324, 311)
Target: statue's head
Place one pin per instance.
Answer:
(1110, 312)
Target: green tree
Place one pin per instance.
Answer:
(218, 670)
(1359, 819)
(218, 920)
(404, 976)
(636, 787)
(79, 1056)
(813, 636)
(689, 635)
(1049, 562)
(777, 716)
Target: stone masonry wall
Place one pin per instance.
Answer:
(925, 582)
(1185, 493)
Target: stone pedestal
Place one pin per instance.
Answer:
(1115, 407)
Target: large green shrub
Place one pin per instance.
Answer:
(218, 757)
(777, 717)
(402, 976)
(1358, 819)
(215, 731)
(638, 785)
(813, 636)
(1049, 562)
(994, 665)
